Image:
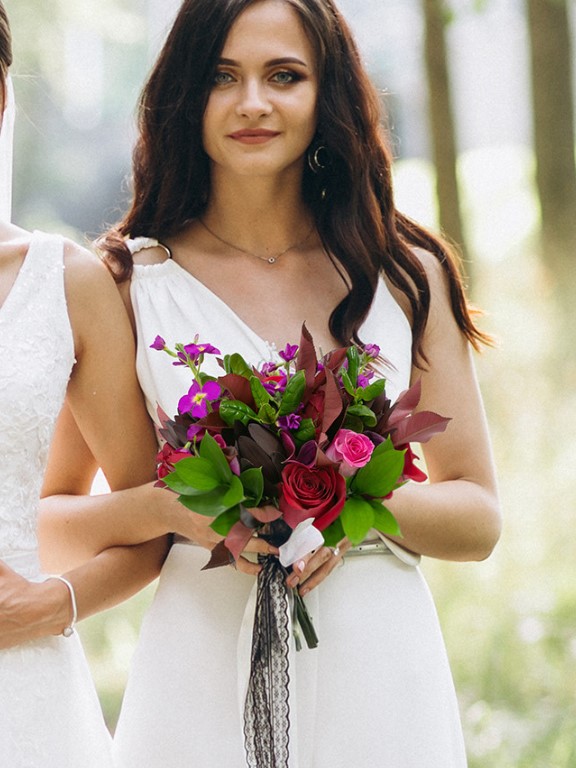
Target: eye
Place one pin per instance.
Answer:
(222, 78)
(285, 77)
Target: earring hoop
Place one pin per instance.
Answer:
(316, 162)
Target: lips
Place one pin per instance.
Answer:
(253, 135)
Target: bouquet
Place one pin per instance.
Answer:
(296, 443)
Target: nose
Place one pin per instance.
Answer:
(253, 101)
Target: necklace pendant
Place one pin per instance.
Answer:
(272, 260)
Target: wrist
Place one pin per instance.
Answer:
(55, 612)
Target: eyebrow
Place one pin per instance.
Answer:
(271, 63)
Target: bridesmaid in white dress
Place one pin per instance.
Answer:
(262, 170)
(50, 716)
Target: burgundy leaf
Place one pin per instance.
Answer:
(334, 359)
(333, 404)
(265, 514)
(238, 538)
(419, 428)
(239, 388)
(406, 403)
(306, 359)
(219, 556)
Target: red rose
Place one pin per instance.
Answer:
(318, 492)
(166, 459)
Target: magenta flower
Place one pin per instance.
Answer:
(197, 400)
(158, 344)
(291, 421)
(353, 449)
(364, 378)
(268, 368)
(289, 352)
(372, 350)
(193, 352)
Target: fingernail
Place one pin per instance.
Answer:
(304, 591)
(300, 565)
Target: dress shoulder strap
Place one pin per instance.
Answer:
(142, 243)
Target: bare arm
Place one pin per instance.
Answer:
(456, 516)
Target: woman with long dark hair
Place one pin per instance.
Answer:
(263, 198)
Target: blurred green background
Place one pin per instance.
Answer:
(509, 622)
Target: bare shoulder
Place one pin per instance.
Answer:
(14, 242)
(86, 274)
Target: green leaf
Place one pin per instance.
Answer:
(381, 475)
(224, 522)
(293, 394)
(384, 520)
(217, 501)
(210, 450)
(236, 364)
(372, 391)
(267, 414)
(353, 364)
(354, 423)
(198, 473)
(306, 431)
(347, 381)
(259, 393)
(334, 533)
(364, 413)
(253, 484)
(357, 518)
(235, 410)
(176, 484)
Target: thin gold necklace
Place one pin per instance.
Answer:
(268, 259)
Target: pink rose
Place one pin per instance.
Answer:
(352, 449)
(318, 492)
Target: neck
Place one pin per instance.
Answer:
(261, 215)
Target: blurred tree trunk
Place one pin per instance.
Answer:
(441, 119)
(553, 121)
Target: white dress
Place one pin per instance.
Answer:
(376, 692)
(49, 712)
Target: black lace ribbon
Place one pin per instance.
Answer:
(267, 709)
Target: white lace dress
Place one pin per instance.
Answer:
(376, 692)
(49, 712)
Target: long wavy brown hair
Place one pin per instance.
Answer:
(351, 199)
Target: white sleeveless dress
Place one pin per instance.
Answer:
(376, 692)
(49, 712)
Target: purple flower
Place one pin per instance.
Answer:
(289, 352)
(197, 399)
(158, 344)
(268, 368)
(364, 378)
(194, 350)
(372, 350)
(291, 421)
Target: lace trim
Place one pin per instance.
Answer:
(267, 710)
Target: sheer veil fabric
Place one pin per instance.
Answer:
(6, 151)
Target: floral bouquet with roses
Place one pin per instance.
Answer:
(301, 450)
